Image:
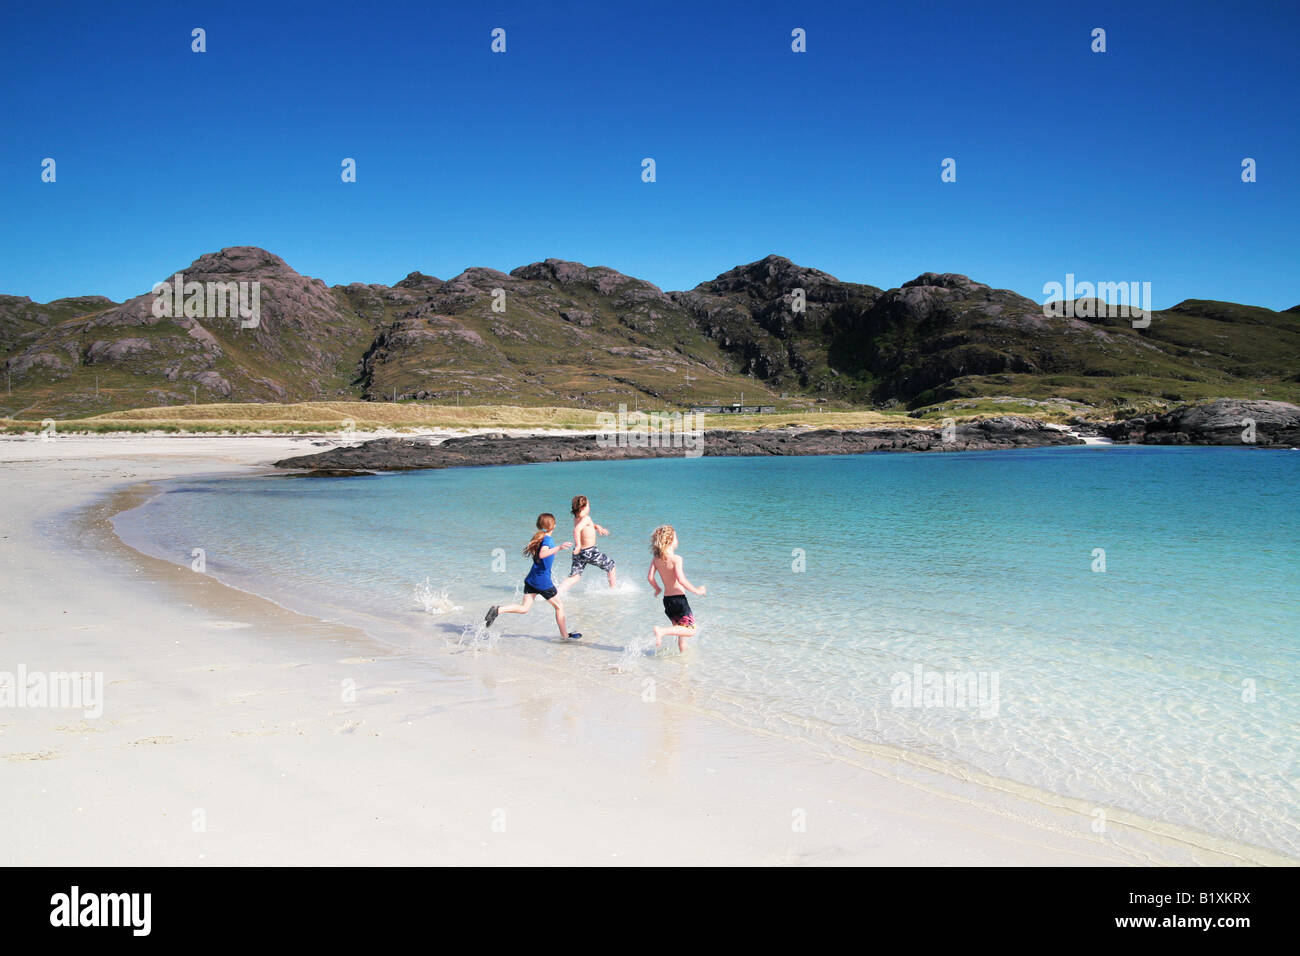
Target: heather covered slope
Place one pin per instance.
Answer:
(569, 334)
(562, 333)
(946, 337)
(305, 346)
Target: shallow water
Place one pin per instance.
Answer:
(1165, 685)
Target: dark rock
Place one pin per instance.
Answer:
(327, 473)
(404, 454)
(1222, 422)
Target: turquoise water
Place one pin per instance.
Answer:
(1166, 685)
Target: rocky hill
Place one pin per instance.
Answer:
(562, 333)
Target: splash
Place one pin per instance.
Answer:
(434, 601)
(599, 587)
(636, 651)
(478, 637)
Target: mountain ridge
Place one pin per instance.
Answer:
(561, 332)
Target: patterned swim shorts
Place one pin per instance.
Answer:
(590, 556)
(678, 610)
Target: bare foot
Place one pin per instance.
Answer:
(659, 637)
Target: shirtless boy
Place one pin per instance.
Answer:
(584, 545)
(668, 564)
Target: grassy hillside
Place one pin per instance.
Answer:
(562, 334)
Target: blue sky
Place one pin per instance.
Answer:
(1115, 166)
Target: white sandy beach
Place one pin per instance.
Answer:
(226, 737)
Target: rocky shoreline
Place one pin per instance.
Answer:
(1224, 422)
(406, 454)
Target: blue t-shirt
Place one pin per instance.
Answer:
(540, 576)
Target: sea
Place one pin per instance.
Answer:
(1116, 625)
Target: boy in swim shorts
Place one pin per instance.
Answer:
(668, 564)
(584, 545)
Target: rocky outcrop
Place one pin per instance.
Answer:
(1228, 421)
(404, 454)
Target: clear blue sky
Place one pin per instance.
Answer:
(1122, 166)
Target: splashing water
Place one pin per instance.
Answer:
(478, 637)
(434, 601)
(599, 587)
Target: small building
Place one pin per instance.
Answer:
(735, 408)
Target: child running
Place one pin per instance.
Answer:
(584, 545)
(542, 550)
(668, 564)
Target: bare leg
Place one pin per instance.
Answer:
(681, 633)
(613, 576)
(559, 617)
(568, 582)
(518, 608)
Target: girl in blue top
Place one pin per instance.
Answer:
(543, 551)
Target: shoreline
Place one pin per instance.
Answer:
(945, 779)
(498, 448)
(490, 699)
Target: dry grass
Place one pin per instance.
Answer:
(325, 417)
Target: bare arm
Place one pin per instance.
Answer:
(650, 576)
(600, 529)
(681, 579)
(545, 553)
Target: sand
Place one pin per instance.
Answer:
(236, 732)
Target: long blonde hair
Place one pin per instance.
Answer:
(661, 539)
(545, 525)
